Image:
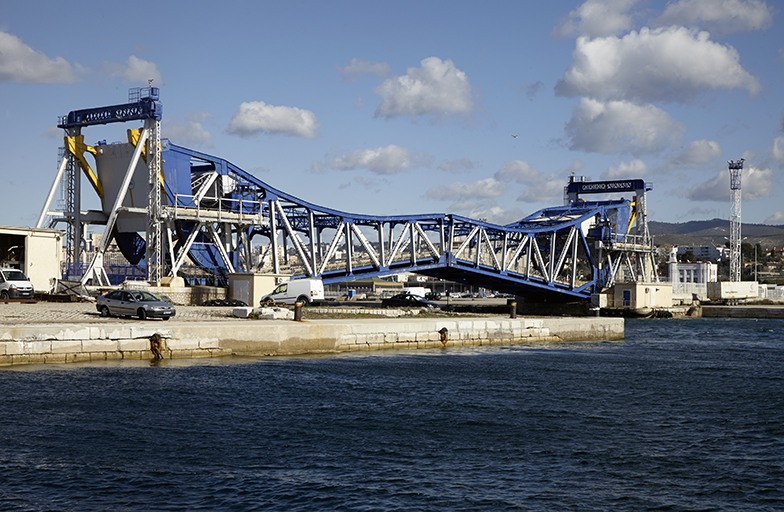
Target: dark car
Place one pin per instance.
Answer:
(408, 300)
(139, 303)
(433, 296)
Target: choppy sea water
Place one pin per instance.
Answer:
(682, 415)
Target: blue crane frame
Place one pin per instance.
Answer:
(556, 252)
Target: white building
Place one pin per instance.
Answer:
(36, 252)
(693, 272)
(704, 252)
(690, 280)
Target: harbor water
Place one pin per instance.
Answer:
(684, 414)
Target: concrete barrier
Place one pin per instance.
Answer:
(29, 344)
(743, 311)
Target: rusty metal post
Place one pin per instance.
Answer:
(298, 312)
(513, 310)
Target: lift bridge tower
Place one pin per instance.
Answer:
(736, 169)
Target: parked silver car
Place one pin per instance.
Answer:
(139, 303)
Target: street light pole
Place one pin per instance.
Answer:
(755, 262)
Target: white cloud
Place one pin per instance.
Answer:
(257, 117)
(775, 219)
(620, 126)
(671, 64)
(755, 184)
(699, 152)
(597, 18)
(539, 187)
(135, 70)
(386, 160)
(634, 169)
(188, 132)
(518, 171)
(437, 87)
(778, 149)
(358, 67)
(496, 214)
(719, 16)
(549, 190)
(21, 64)
(486, 188)
(464, 164)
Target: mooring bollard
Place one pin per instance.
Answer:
(513, 310)
(298, 312)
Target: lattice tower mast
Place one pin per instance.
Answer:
(67, 204)
(154, 254)
(736, 170)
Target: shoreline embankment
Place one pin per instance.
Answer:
(81, 342)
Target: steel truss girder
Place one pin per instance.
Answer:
(552, 252)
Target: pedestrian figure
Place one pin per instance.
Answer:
(155, 346)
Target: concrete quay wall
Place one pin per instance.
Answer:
(32, 344)
(750, 311)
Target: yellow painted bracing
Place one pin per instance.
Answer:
(77, 147)
(133, 139)
(632, 216)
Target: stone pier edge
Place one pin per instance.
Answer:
(45, 343)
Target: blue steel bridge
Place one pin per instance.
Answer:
(203, 210)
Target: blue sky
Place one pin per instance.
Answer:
(412, 107)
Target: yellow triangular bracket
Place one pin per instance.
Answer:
(133, 139)
(632, 215)
(77, 147)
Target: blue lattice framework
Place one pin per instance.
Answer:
(143, 104)
(221, 212)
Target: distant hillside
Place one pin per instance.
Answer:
(705, 232)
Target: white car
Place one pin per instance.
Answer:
(15, 285)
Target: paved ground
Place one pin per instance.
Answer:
(85, 312)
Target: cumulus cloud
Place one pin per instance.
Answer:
(19, 63)
(756, 184)
(718, 16)
(257, 117)
(776, 219)
(539, 186)
(464, 164)
(634, 169)
(387, 160)
(357, 67)
(458, 191)
(518, 171)
(135, 70)
(697, 154)
(496, 214)
(778, 149)
(596, 18)
(621, 127)
(189, 131)
(670, 64)
(437, 87)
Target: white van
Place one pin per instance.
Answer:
(416, 290)
(15, 285)
(307, 291)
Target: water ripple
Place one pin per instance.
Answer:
(682, 415)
